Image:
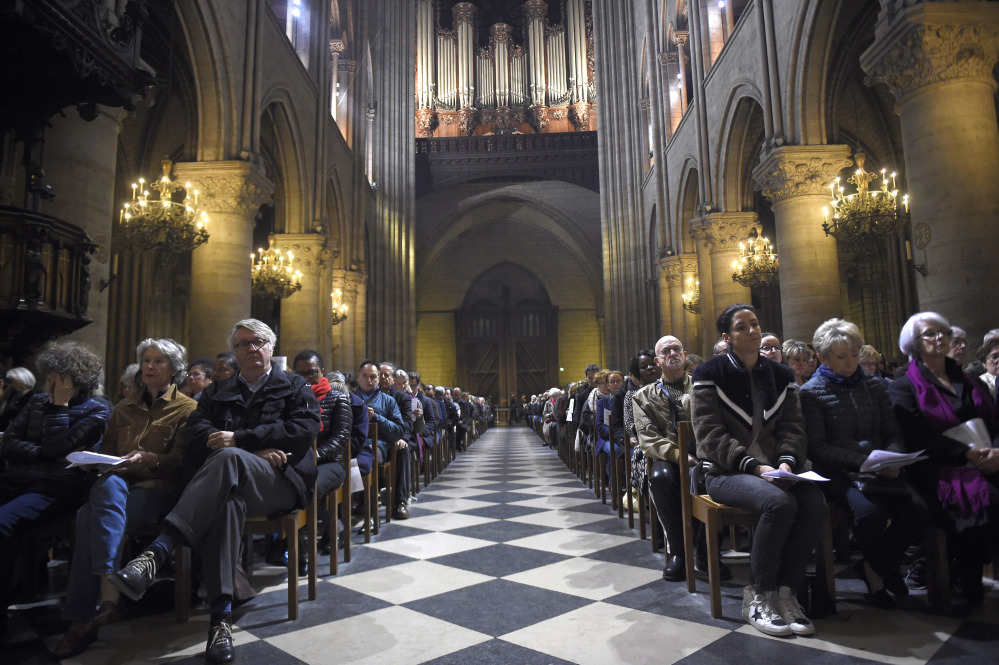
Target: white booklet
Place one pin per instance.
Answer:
(884, 459)
(784, 475)
(972, 432)
(85, 457)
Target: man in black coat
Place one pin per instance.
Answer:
(254, 432)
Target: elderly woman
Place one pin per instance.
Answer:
(35, 485)
(130, 383)
(958, 482)
(748, 421)
(848, 414)
(147, 431)
(800, 358)
(20, 388)
(988, 355)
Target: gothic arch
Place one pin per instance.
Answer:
(480, 291)
(686, 205)
(739, 149)
(279, 141)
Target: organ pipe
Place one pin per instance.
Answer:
(464, 23)
(576, 44)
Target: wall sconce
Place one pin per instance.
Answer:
(112, 276)
(339, 309)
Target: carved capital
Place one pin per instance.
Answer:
(337, 46)
(229, 187)
(464, 12)
(501, 33)
(680, 38)
(349, 281)
(723, 231)
(932, 42)
(671, 271)
(426, 122)
(803, 170)
(579, 116)
(669, 58)
(349, 66)
(644, 104)
(538, 117)
(688, 264)
(535, 10)
(311, 251)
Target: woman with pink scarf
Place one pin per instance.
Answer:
(959, 483)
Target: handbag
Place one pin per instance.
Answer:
(874, 485)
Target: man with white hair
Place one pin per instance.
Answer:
(254, 432)
(658, 407)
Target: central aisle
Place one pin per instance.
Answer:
(509, 559)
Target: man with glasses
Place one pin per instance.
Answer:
(251, 438)
(658, 407)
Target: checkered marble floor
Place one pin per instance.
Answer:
(509, 559)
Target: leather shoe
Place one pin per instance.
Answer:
(220, 648)
(74, 643)
(401, 512)
(137, 576)
(724, 573)
(675, 569)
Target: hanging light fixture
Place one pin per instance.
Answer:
(757, 264)
(273, 274)
(169, 220)
(692, 296)
(866, 214)
(339, 310)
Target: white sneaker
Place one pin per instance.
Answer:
(790, 609)
(759, 611)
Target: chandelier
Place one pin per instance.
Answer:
(273, 274)
(339, 310)
(757, 264)
(171, 220)
(867, 214)
(692, 296)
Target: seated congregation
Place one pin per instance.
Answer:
(195, 456)
(906, 466)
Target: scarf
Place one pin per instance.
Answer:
(319, 390)
(936, 406)
(965, 494)
(848, 382)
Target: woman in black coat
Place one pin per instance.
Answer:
(847, 416)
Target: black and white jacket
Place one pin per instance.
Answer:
(722, 415)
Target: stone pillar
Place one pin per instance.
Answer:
(690, 321)
(796, 180)
(670, 290)
(231, 194)
(336, 48)
(348, 336)
(937, 60)
(80, 160)
(305, 316)
(720, 234)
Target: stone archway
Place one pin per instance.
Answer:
(507, 334)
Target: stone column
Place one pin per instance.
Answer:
(670, 291)
(348, 336)
(305, 316)
(937, 59)
(80, 161)
(690, 321)
(720, 233)
(336, 48)
(796, 180)
(231, 194)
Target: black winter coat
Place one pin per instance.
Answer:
(338, 420)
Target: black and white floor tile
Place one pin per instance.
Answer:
(508, 558)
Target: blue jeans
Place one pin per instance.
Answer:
(604, 447)
(790, 518)
(100, 531)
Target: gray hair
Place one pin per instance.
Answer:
(439, 390)
(958, 331)
(75, 360)
(908, 339)
(401, 372)
(835, 332)
(172, 350)
(991, 335)
(257, 327)
(22, 376)
(794, 348)
(128, 376)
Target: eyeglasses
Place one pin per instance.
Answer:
(308, 372)
(934, 334)
(958, 341)
(667, 351)
(255, 344)
(197, 375)
(767, 348)
(992, 358)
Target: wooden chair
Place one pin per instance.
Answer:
(338, 501)
(181, 568)
(714, 515)
(369, 483)
(387, 471)
(287, 525)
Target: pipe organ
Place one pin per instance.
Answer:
(535, 79)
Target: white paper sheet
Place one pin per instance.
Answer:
(784, 475)
(972, 432)
(84, 458)
(884, 459)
